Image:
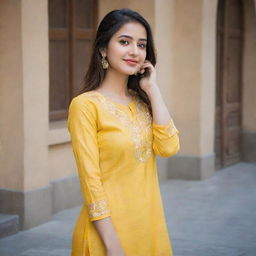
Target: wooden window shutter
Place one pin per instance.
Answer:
(72, 27)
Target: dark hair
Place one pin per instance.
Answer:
(109, 25)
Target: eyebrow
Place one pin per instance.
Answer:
(141, 39)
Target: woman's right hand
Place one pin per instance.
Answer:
(109, 236)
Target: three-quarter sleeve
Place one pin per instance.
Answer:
(82, 126)
(165, 139)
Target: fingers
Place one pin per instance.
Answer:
(146, 65)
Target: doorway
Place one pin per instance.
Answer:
(228, 83)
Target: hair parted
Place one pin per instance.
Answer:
(109, 25)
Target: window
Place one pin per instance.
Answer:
(72, 27)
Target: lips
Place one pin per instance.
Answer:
(131, 62)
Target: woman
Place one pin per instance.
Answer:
(118, 125)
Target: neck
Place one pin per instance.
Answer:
(115, 83)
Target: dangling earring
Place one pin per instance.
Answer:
(104, 62)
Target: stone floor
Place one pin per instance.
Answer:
(214, 217)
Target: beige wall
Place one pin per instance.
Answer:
(60, 159)
(249, 68)
(35, 68)
(164, 26)
(24, 94)
(208, 75)
(193, 64)
(186, 73)
(61, 162)
(144, 7)
(11, 102)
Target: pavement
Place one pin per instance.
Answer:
(213, 217)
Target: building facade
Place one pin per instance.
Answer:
(206, 66)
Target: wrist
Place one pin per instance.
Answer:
(153, 92)
(111, 242)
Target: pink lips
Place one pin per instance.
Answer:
(131, 62)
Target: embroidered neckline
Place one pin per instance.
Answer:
(133, 94)
(140, 126)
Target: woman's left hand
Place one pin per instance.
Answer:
(148, 83)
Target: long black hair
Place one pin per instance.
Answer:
(109, 25)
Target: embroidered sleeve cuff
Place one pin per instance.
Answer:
(98, 210)
(168, 128)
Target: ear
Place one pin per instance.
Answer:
(103, 52)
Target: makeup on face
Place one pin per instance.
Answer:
(128, 45)
(141, 44)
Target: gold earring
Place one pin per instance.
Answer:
(104, 62)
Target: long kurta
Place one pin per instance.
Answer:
(115, 148)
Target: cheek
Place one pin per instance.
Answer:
(115, 51)
(143, 57)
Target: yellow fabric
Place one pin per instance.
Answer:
(115, 148)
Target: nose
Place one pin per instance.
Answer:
(133, 49)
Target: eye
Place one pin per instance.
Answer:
(124, 42)
(142, 46)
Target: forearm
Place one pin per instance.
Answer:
(107, 232)
(161, 114)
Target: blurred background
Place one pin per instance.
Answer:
(206, 68)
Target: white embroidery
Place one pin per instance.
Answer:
(140, 127)
(98, 208)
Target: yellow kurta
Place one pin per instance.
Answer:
(115, 148)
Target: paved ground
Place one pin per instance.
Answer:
(214, 217)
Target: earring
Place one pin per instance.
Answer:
(104, 62)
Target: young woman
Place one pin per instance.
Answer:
(118, 125)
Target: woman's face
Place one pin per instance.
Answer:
(126, 51)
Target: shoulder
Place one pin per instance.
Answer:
(84, 102)
(82, 109)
